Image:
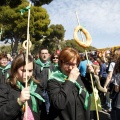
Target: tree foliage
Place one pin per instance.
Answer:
(41, 22)
(11, 3)
(57, 31)
(5, 49)
(15, 3)
(38, 44)
(41, 2)
(15, 25)
(53, 40)
(73, 44)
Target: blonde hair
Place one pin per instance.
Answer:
(96, 67)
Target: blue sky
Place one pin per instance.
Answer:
(100, 17)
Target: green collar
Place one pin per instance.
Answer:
(59, 76)
(55, 64)
(42, 65)
(33, 94)
(5, 68)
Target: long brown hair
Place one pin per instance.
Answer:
(19, 61)
(117, 66)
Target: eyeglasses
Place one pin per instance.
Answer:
(67, 64)
(55, 57)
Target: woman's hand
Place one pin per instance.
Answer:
(74, 74)
(25, 95)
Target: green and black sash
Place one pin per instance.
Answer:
(4, 69)
(33, 94)
(59, 76)
(42, 65)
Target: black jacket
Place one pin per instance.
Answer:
(42, 75)
(10, 109)
(66, 103)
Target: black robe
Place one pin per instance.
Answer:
(9, 107)
(66, 102)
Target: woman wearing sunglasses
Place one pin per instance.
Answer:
(54, 59)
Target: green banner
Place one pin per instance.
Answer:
(24, 10)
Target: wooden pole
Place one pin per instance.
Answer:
(27, 53)
(90, 73)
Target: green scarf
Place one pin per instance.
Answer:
(59, 76)
(33, 94)
(42, 65)
(55, 64)
(5, 68)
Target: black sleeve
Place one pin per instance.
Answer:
(52, 67)
(36, 71)
(87, 82)
(41, 104)
(9, 109)
(59, 93)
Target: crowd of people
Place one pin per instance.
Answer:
(58, 86)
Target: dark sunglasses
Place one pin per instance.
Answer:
(55, 57)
